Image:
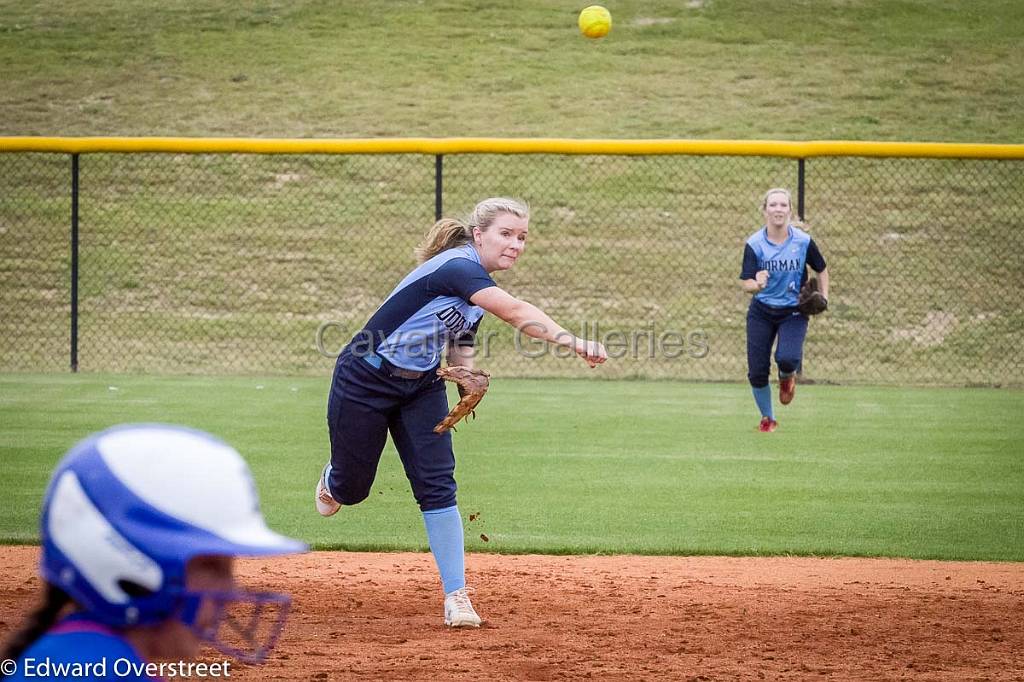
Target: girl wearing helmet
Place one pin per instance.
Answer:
(140, 525)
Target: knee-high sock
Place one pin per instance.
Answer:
(444, 531)
(763, 398)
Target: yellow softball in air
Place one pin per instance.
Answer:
(595, 21)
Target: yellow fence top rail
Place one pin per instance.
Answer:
(485, 145)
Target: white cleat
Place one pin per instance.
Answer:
(325, 504)
(458, 610)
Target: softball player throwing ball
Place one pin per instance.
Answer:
(775, 262)
(139, 528)
(385, 379)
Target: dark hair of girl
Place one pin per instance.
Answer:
(38, 622)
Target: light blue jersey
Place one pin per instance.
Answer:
(427, 310)
(80, 649)
(786, 265)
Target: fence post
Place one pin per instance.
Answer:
(438, 186)
(800, 188)
(74, 262)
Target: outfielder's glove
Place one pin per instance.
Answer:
(472, 385)
(810, 301)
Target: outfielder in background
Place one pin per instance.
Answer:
(775, 262)
(139, 529)
(387, 378)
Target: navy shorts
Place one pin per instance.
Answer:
(368, 402)
(765, 324)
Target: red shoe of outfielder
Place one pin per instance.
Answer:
(767, 425)
(787, 389)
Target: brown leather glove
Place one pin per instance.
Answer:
(472, 385)
(810, 301)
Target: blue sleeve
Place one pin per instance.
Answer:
(460, 277)
(814, 257)
(749, 263)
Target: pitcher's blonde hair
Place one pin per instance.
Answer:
(449, 233)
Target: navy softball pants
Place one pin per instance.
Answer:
(764, 325)
(365, 404)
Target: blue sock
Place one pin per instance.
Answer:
(444, 531)
(763, 398)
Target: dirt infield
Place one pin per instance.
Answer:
(378, 616)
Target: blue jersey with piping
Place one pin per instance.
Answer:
(428, 309)
(786, 264)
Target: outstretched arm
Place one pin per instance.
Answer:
(534, 322)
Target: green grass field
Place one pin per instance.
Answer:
(582, 467)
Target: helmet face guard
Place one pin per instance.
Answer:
(240, 624)
(128, 508)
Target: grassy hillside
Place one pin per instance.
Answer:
(799, 69)
(230, 264)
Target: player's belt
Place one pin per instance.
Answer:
(380, 363)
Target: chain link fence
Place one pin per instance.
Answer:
(256, 264)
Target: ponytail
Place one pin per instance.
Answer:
(446, 233)
(39, 621)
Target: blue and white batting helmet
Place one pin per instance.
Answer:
(127, 508)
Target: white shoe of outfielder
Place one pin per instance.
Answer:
(458, 610)
(325, 504)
